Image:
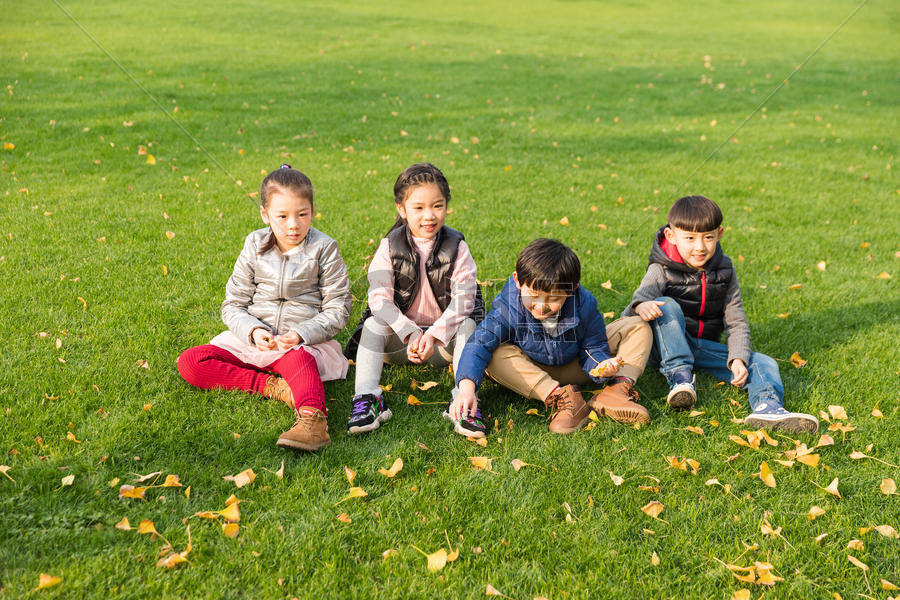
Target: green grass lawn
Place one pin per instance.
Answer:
(535, 111)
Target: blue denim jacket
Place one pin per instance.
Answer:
(580, 334)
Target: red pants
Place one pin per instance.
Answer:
(209, 367)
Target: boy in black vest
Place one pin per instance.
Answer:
(690, 296)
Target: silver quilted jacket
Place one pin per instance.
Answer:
(307, 292)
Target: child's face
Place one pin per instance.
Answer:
(542, 305)
(289, 216)
(424, 209)
(695, 247)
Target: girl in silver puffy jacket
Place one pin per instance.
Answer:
(288, 296)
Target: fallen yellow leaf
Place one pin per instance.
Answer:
(151, 160)
(858, 563)
(171, 481)
(395, 468)
(413, 401)
(46, 580)
(765, 473)
(814, 512)
(654, 559)
(833, 488)
(124, 525)
(5, 470)
(837, 412)
(482, 463)
(564, 221)
(230, 530)
(883, 275)
(617, 481)
(888, 486)
(245, 477)
(796, 360)
(354, 492)
(351, 475)
(886, 531)
(490, 590)
(344, 518)
(653, 509)
(855, 545)
(888, 586)
(518, 464)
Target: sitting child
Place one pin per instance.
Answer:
(543, 337)
(424, 300)
(690, 295)
(287, 297)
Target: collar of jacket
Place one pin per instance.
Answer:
(658, 255)
(568, 314)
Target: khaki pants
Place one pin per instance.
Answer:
(629, 337)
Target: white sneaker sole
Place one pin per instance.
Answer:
(682, 396)
(791, 422)
(384, 416)
(458, 428)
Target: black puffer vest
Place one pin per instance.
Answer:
(405, 261)
(701, 294)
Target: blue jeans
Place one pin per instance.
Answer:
(673, 349)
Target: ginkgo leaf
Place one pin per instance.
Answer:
(171, 481)
(856, 545)
(654, 559)
(147, 526)
(245, 477)
(786, 463)
(764, 574)
(490, 590)
(124, 525)
(531, 411)
(888, 586)
(173, 559)
(207, 514)
(696, 413)
(354, 492)
(738, 440)
(837, 412)
(697, 430)
(71, 437)
(676, 462)
(825, 440)
(883, 275)
(151, 160)
(147, 477)
(351, 475)
(814, 512)
(232, 499)
(479, 441)
(857, 563)
(68, 480)
(741, 594)
(231, 512)
(765, 473)
(129, 491)
(230, 530)
(482, 463)
(616, 479)
(518, 464)
(888, 486)
(280, 472)
(821, 537)
(886, 531)
(423, 386)
(5, 470)
(344, 518)
(46, 580)
(810, 460)
(395, 468)
(833, 488)
(796, 360)
(389, 553)
(653, 509)
(877, 413)
(413, 401)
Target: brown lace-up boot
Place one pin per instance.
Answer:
(619, 401)
(571, 411)
(278, 388)
(310, 431)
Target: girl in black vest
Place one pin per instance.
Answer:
(424, 300)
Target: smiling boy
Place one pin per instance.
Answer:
(543, 338)
(690, 296)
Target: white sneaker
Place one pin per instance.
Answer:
(682, 395)
(776, 417)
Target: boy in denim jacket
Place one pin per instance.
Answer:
(543, 337)
(690, 296)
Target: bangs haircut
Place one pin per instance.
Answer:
(547, 265)
(696, 214)
(285, 179)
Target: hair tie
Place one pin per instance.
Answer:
(286, 166)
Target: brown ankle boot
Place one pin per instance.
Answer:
(310, 431)
(619, 402)
(278, 388)
(571, 411)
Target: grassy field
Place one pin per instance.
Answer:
(602, 114)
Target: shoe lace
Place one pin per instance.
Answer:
(306, 420)
(361, 406)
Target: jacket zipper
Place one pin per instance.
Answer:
(702, 304)
(284, 260)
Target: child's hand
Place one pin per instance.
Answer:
(649, 310)
(262, 339)
(412, 347)
(608, 367)
(425, 347)
(288, 340)
(739, 370)
(464, 404)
